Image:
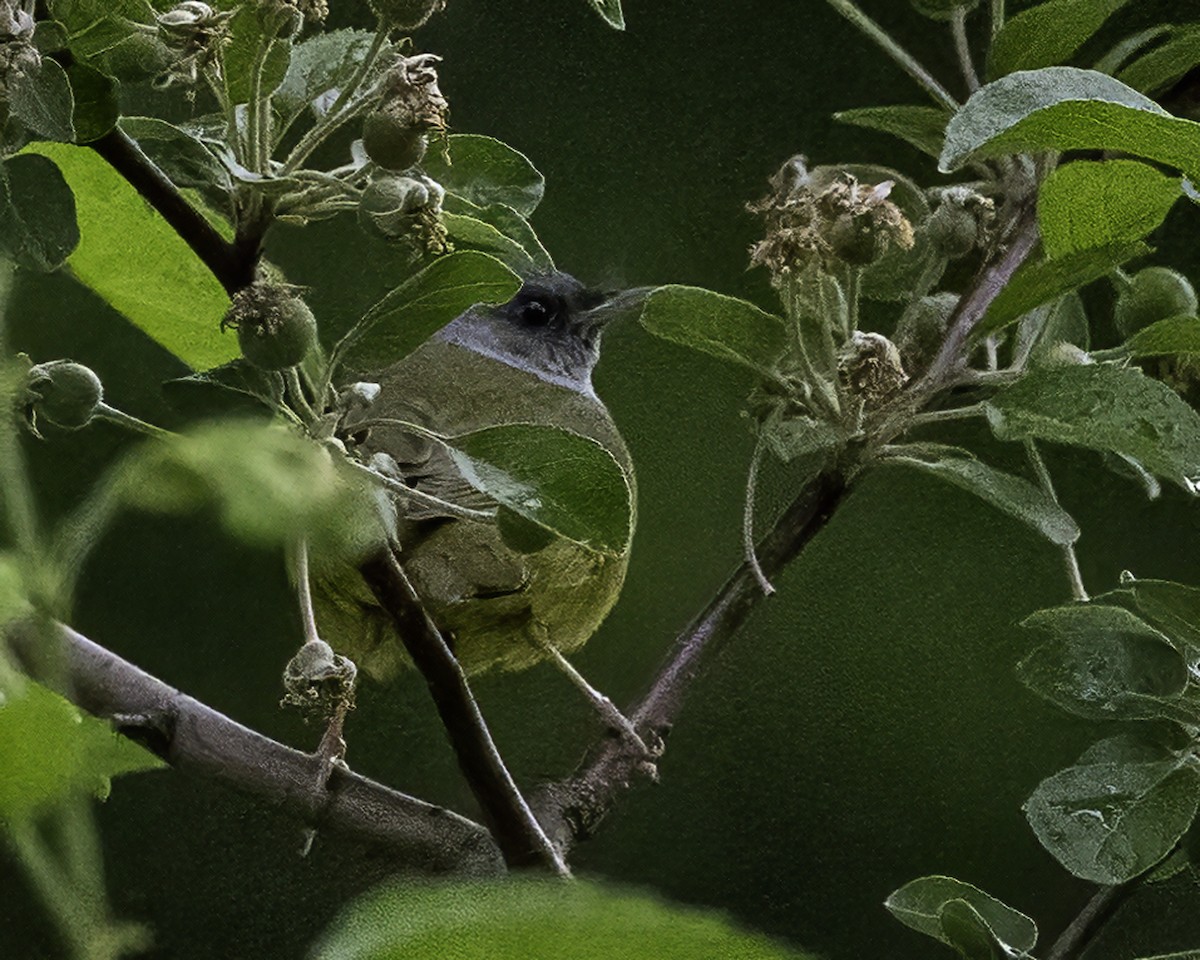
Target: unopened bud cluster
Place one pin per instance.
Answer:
(870, 367)
(962, 222)
(405, 208)
(810, 220)
(395, 135)
(193, 33)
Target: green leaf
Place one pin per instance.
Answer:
(611, 11)
(50, 751)
(468, 232)
(919, 904)
(1105, 663)
(41, 99)
(423, 304)
(318, 65)
(1039, 281)
(1103, 407)
(532, 919)
(969, 934)
(38, 228)
(1060, 321)
(1101, 204)
(1121, 51)
(1064, 108)
(1173, 337)
(565, 483)
(270, 486)
(1173, 608)
(133, 259)
(181, 156)
(1047, 34)
(1166, 63)
(1014, 495)
(510, 223)
(921, 127)
(724, 327)
(96, 109)
(246, 37)
(1110, 822)
(14, 598)
(485, 171)
(234, 388)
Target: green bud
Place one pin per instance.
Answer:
(66, 393)
(1153, 294)
(922, 327)
(1061, 354)
(390, 205)
(406, 14)
(275, 328)
(392, 142)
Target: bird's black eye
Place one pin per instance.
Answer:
(536, 312)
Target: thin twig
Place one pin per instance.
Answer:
(1091, 920)
(997, 17)
(517, 833)
(201, 742)
(962, 46)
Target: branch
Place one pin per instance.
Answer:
(233, 264)
(1091, 920)
(572, 809)
(517, 832)
(201, 742)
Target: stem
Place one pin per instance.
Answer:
(906, 61)
(296, 390)
(304, 593)
(257, 151)
(1078, 591)
(129, 421)
(201, 742)
(55, 890)
(333, 117)
(853, 288)
(941, 416)
(748, 519)
(1087, 925)
(997, 17)
(962, 46)
(517, 833)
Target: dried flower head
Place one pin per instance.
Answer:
(193, 32)
(870, 367)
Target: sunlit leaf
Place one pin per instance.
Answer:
(1175, 336)
(1166, 63)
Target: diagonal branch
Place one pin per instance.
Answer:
(517, 832)
(201, 742)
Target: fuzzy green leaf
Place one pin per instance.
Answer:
(485, 171)
(50, 751)
(1110, 822)
(318, 65)
(423, 304)
(1014, 495)
(246, 36)
(133, 259)
(1173, 337)
(968, 933)
(1173, 608)
(1047, 34)
(1060, 321)
(922, 127)
(1099, 204)
(919, 904)
(1105, 663)
(1065, 108)
(724, 327)
(530, 919)
(181, 156)
(470, 233)
(611, 11)
(1166, 63)
(41, 99)
(1107, 408)
(38, 227)
(236, 388)
(1037, 282)
(510, 223)
(95, 95)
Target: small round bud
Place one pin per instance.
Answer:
(922, 327)
(406, 14)
(1153, 294)
(388, 205)
(392, 142)
(275, 328)
(1061, 354)
(961, 223)
(66, 393)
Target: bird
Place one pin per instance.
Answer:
(500, 606)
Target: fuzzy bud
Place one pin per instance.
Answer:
(870, 367)
(65, 393)
(275, 328)
(922, 328)
(961, 223)
(412, 105)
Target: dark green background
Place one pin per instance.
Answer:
(864, 730)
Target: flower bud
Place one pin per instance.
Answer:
(870, 367)
(922, 328)
(406, 14)
(961, 222)
(1153, 294)
(66, 393)
(388, 205)
(1061, 354)
(275, 328)
(392, 142)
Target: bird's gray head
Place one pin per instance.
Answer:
(550, 329)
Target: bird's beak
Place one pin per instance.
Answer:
(615, 306)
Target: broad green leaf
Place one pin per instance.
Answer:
(966, 930)
(918, 905)
(510, 223)
(484, 171)
(246, 37)
(922, 127)
(181, 156)
(96, 109)
(270, 486)
(319, 65)
(1039, 281)
(611, 11)
(423, 304)
(1121, 51)
(1047, 34)
(49, 36)
(1101, 204)
(1103, 407)
(96, 26)
(38, 227)
(1125, 748)
(470, 233)
(563, 482)
(50, 751)
(237, 387)
(1110, 822)
(531, 919)
(1060, 321)
(1173, 608)
(1014, 495)
(1064, 108)
(724, 327)
(1166, 63)
(133, 259)
(41, 99)
(1175, 336)
(1104, 663)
